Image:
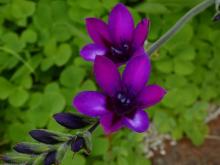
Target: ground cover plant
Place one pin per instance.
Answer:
(41, 71)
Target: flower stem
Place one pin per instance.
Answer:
(16, 55)
(94, 127)
(182, 21)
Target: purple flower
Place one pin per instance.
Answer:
(123, 99)
(118, 40)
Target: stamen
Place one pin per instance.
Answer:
(116, 52)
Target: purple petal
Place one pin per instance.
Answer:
(110, 123)
(140, 33)
(90, 51)
(140, 52)
(107, 75)
(139, 122)
(121, 24)
(137, 73)
(151, 95)
(90, 103)
(98, 31)
(71, 121)
(50, 158)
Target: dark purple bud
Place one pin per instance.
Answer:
(216, 17)
(50, 158)
(6, 159)
(48, 137)
(72, 121)
(77, 144)
(15, 158)
(30, 148)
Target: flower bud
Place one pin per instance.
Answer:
(15, 158)
(216, 17)
(49, 137)
(72, 121)
(31, 148)
(50, 158)
(82, 141)
(78, 144)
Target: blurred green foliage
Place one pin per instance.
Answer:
(41, 71)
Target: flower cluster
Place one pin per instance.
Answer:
(120, 102)
(52, 146)
(122, 99)
(118, 40)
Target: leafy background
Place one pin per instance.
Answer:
(41, 71)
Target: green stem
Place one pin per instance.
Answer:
(16, 55)
(182, 21)
(94, 127)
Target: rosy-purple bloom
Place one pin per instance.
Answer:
(119, 39)
(123, 98)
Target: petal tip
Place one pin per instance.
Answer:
(120, 6)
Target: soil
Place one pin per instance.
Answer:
(184, 153)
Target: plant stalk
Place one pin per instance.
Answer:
(180, 23)
(94, 127)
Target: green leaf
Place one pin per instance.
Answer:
(175, 81)
(122, 161)
(72, 76)
(63, 54)
(88, 85)
(69, 159)
(47, 104)
(183, 67)
(6, 88)
(7, 61)
(29, 36)
(172, 99)
(18, 97)
(165, 66)
(35, 100)
(184, 52)
(52, 87)
(162, 125)
(61, 31)
(189, 95)
(194, 123)
(197, 134)
(43, 16)
(142, 160)
(18, 132)
(12, 41)
(152, 8)
(22, 8)
(53, 102)
(100, 146)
